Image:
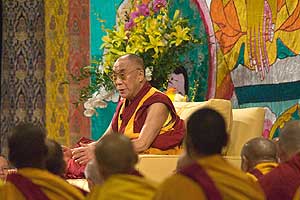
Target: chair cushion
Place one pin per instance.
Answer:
(159, 167)
(185, 109)
(247, 123)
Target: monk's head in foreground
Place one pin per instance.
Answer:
(115, 155)
(258, 150)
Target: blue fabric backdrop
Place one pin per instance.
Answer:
(101, 10)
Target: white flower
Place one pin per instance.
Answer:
(148, 73)
(99, 103)
(99, 100)
(100, 67)
(101, 94)
(115, 97)
(88, 104)
(89, 112)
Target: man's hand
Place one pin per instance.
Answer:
(82, 155)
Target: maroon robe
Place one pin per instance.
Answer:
(30, 190)
(73, 169)
(163, 141)
(255, 172)
(196, 173)
(282, 182)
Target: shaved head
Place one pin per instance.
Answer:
(92, 175)
(27, 146)
(258, 150)
(206, 132)
(128, 75)
(115, 154)
(134, 59)
(289, 139)
(55, 158)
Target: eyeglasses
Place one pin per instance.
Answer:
(122, 75)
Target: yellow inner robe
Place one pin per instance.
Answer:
(264, 168)
(53, 186)
(125, 187)
(231, 183)
(297, 194)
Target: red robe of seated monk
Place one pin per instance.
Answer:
(261, 169)
(282, 182)
(129, 120)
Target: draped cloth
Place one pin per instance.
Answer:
(0, 46)
(73, 169)
(196, 173)
(79, 56)
(261, 169)
(230, 182)
(57, 47)
(282, 182)
(129, 120)
(23, 65)
(51, 185)
(28, 189)
(125, 187)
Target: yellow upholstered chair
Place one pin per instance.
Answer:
(185, 109)
(242, 125)
(158, 167)
(247, 124)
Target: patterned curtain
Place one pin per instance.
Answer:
(23, 67)
(0, 64)
(0, 43)
(79, 56)
(57, 50)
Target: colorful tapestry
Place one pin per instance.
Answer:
(259, 46)
(22, 69)
(0, 50)
(249, 53)
(57, 54)
(79, 50)
(198, 60)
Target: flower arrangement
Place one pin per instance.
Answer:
(149, 32)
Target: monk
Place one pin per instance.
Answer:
(55, 161)
(116, 158)
(210, 176)
(183, 161)
(259, 157)
(92, 175)
(3, 167)
(28, 152)
(283, 181)
(144, 114)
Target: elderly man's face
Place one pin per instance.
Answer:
(3, 168)
(127, 78)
